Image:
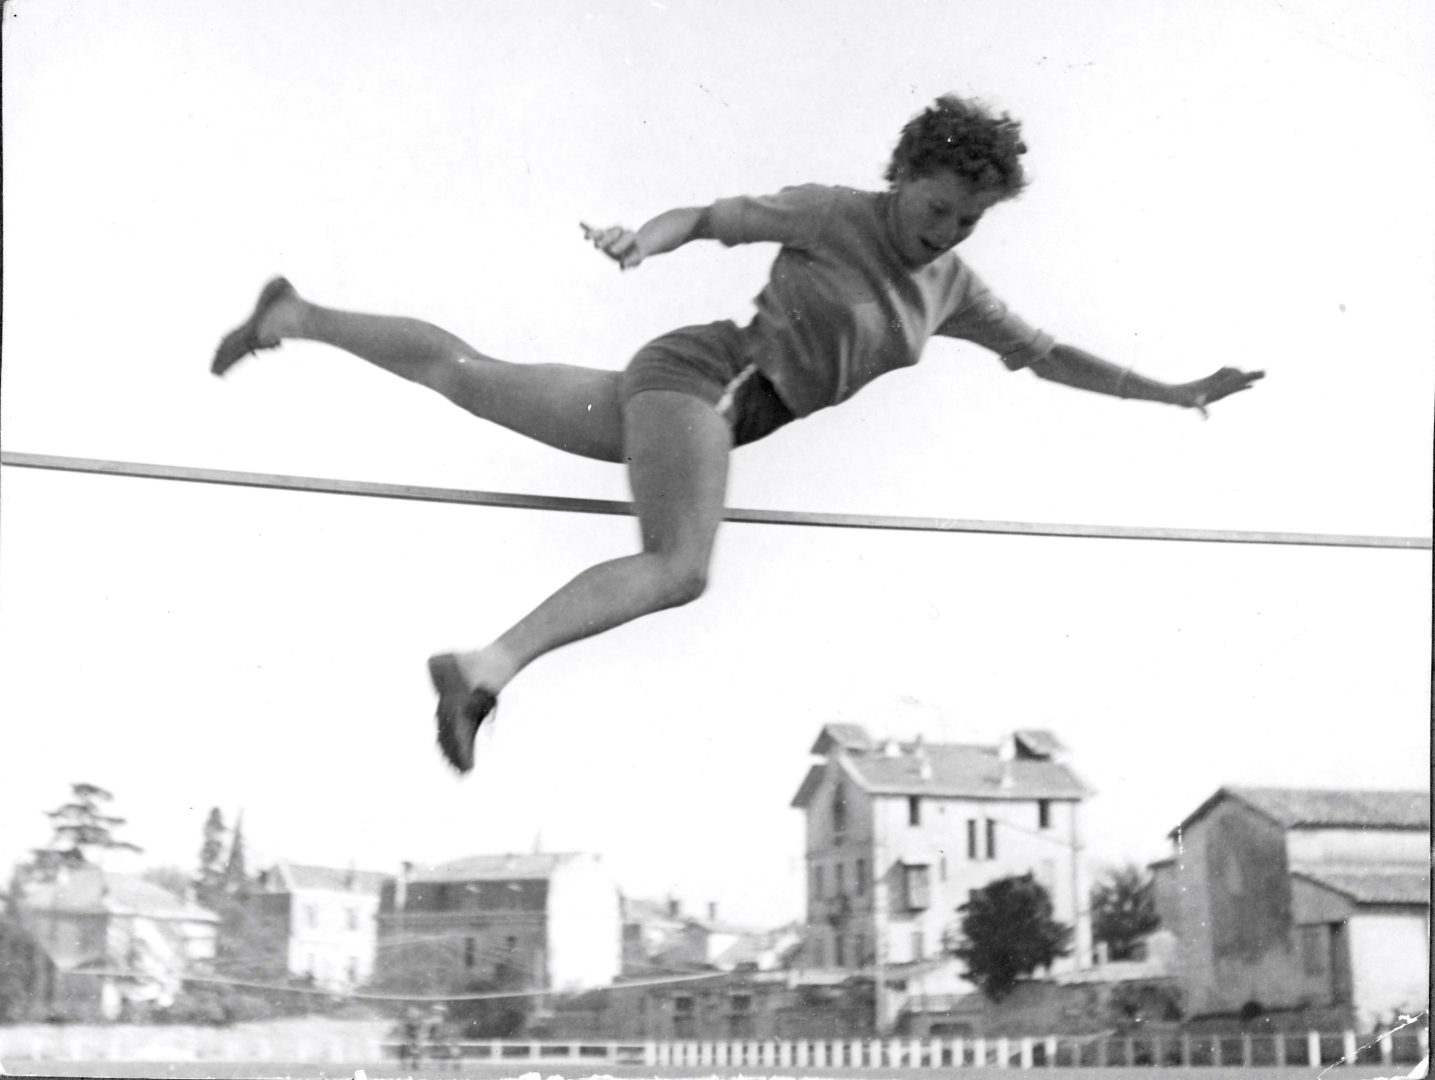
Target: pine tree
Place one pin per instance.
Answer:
(1007, 932)
(209, 882)
(80, 829)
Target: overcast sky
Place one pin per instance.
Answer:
(1233, 182)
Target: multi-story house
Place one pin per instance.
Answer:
(1286, 899)
(112, 942)
(523, 922)
(320, 923)
(899, 833)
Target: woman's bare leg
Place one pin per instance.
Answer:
(677, 449)
(572, 408)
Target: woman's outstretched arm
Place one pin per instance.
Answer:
(1071, 366)
(666, 232)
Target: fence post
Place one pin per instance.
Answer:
(1387, 1049)
(1348, 1047)
(979, 1051)
(1280, 1049)
(1003, 1052)
(1051, 1051)
(1246, 1049)
(915, 1049)
(959, 1052)
(1312, 1048)
(1185, 1050)
(1028, 1058)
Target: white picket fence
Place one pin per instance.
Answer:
(360, 1044)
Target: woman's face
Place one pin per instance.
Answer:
(933, 214)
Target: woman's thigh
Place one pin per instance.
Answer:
(677, 450)
(571, 408)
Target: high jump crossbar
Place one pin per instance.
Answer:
(514, 501)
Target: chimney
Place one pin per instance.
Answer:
(712, 912)
(674, 908)
(401, 886)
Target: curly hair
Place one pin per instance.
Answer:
(964, 137)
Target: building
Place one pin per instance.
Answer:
(1294, 899)
(521, 922)
(318, 923)
(112, 943)
(898, 835)
(659, 939)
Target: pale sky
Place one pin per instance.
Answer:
(1235, 182)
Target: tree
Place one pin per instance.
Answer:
(1007, 932)
(80, 828)
(1123, 910)
(209, 882)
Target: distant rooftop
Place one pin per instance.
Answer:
(93, 891)
(950, 770)
(1313, 808)
(1373, 885)
(330, 879)
(494, 868)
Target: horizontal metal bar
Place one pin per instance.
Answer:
(809, 518)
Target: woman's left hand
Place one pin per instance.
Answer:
(1223, 383)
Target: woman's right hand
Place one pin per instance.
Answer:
(616, 242)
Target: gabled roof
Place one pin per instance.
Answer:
(1399, 884)
(1038, 742)
(1312, 808)
(93, 891)
(330, 879)
(943, 770)
(847, 736)
(494, 868)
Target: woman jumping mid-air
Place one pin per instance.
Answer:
(862, 281)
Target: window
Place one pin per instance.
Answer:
(311, 913)
(918, 952)
(841, 883)
(839, 809)
(1313, 950)
(942, 868)
(817, 883)
(684, 1022)
(1043, 813)
(971, 838)
(916, 888)
(739, 1020)
(470, 952)
(353, 969)
(991, 839)
(914, 810)
(839, 954)
(861, 877)
(859, 950)
(351, 917)
(819, 954)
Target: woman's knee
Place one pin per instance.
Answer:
(684, 579)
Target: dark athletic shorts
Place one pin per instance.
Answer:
(707, 362)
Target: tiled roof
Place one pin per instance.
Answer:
(951, 770)
(330, 879)
(494, 868)
(1309, 808)
(1375, 884)
(92, 891)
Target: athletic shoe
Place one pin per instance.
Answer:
(244, 339)
(460, 710)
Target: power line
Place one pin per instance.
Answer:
(517, 501)
(218, 980)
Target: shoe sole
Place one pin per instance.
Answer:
(461, 710)
(244, 339)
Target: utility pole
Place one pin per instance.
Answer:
(879, 923)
